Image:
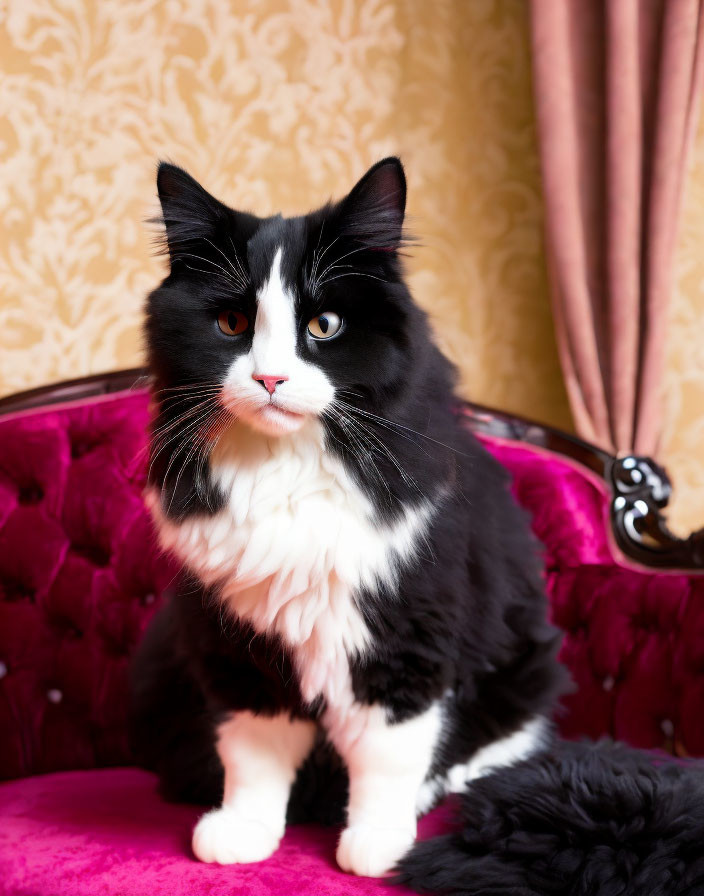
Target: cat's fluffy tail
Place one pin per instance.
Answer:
(578, 820)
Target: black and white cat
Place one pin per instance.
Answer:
(361, 622)
(357, 571)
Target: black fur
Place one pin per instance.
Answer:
(579, 820)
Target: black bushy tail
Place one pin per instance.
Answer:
(579, 820)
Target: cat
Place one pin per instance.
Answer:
(361, 623)
(357, 573)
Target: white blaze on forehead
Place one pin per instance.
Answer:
(305, 391)
(274, 342)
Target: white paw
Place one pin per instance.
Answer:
(372, 852)
(226, 837)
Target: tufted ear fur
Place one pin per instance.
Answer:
(189, 212)
(373, 211)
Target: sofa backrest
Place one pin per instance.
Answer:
(81, 574)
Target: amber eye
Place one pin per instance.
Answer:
(325, 325)
(232, 323)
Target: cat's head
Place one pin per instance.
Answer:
(283, 320)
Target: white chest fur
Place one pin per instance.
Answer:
(294, 542)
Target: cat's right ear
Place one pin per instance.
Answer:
(188, 212)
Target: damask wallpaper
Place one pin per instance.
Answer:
(278, 105)
(683, 443)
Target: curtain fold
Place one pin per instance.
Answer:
(616, 87)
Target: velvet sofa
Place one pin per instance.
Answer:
(80, 576)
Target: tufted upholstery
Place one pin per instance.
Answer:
(634, 638)
(80, 575)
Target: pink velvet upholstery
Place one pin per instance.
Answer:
(80, 575)
(107, 833)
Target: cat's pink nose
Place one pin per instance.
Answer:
(269, 382)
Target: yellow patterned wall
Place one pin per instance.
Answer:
(683, 446)
(277, 105)
(274, 105)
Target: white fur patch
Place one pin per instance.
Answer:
(524, 742)
(260, 757)
(306, 390)
(274, 343)
(294, 542)
(387, 764)
(228, 838)
(507, 751)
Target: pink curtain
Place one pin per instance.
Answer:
(616, 85)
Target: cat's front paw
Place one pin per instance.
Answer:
(226, 837)
(372, 852)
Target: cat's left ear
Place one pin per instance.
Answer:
(189, 212)
(373, 211)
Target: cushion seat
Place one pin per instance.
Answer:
(81, 574)
(108, 831)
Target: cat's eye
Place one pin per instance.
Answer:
(325, 325)
(232, 323)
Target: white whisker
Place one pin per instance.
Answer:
(225, 274)
(352, 274)
(238, 275)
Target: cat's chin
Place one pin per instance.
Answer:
(275, 421)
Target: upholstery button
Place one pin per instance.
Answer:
(3, 669)
(95, 554)
(667, 727)
(608, 683)
(31, 493)
(80, 447)
(54, 695)
(649, 626)
(14, 591)
(148, 599)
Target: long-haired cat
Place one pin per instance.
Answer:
(360, 627)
